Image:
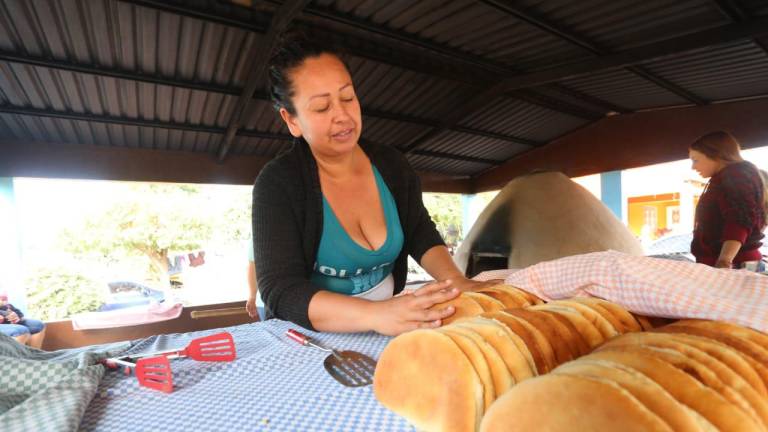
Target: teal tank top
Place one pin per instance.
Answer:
(345, 267)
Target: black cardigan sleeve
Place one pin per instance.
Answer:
(278, 249)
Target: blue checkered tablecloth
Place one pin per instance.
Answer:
(274, 385)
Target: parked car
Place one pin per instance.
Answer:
(679, 246)
(124, 294)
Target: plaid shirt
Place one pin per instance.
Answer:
(731, 208)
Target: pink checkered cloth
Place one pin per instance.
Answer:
(649, 286)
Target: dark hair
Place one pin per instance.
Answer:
(719, 145)
(292, 51)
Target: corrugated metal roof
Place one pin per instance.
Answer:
(442, 166)
(615, 25)
(520, 119)
(167, 74)
(394, 89)
(397, 134)
(625, 88)
(730, 71)
(463, 144)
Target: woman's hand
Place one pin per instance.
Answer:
(12, 317)
(464, 284)
(411, 311)
(250, 307)
(724, 263)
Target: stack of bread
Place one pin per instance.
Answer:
(490, 299)
(691, 375)
(446, 379)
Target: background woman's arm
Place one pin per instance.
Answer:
(728, 253)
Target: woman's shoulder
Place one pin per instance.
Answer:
(740, 174)
(281, 172)
(741, 169)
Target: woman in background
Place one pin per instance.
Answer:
(731, 213)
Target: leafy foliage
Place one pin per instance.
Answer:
(445, 210)
(58, 293)
(151, 220)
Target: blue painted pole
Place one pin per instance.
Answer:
(610, 185)
(10, 246)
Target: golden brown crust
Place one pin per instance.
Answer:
(749, 334)
(531, 298)
(464, 307)
(605, 313)
(558, 403)
(450, 394)
(730, 357)
(707, 369)
(645, 390)
(753, 354)
(537, 344)
(476, 357)
(488, 303)
(585, 329)
(603, 325)
(736, 361)
(512, 348)
(510, 298)
(626, 320)
(502, 378)
(682, 386)
(558, 335)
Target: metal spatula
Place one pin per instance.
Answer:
(350, 368)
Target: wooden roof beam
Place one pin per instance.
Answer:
(289, 10)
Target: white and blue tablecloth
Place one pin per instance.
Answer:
(275, 384)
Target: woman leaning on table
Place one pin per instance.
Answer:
(731, 213)
(334, 219)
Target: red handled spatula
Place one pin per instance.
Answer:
(217, 347)
(152, 372)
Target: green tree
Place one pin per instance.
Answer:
(152, 220)
(57, 293)
(445, 210)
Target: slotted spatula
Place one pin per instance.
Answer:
(153, 372)
(350, 368)
(217, 347)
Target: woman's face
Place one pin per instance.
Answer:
(327, 109)
(702, 164)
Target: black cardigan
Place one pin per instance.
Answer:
(288, 224)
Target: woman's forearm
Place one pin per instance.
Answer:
(252, 287)
(332, 312)
(439, 264)
(728, 253)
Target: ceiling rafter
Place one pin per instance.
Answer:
(463, 67)
(124, 74)
(289, 10)
(463, 158)
(128, 121)
(582, 42)
(643, 53)
(736, 13)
